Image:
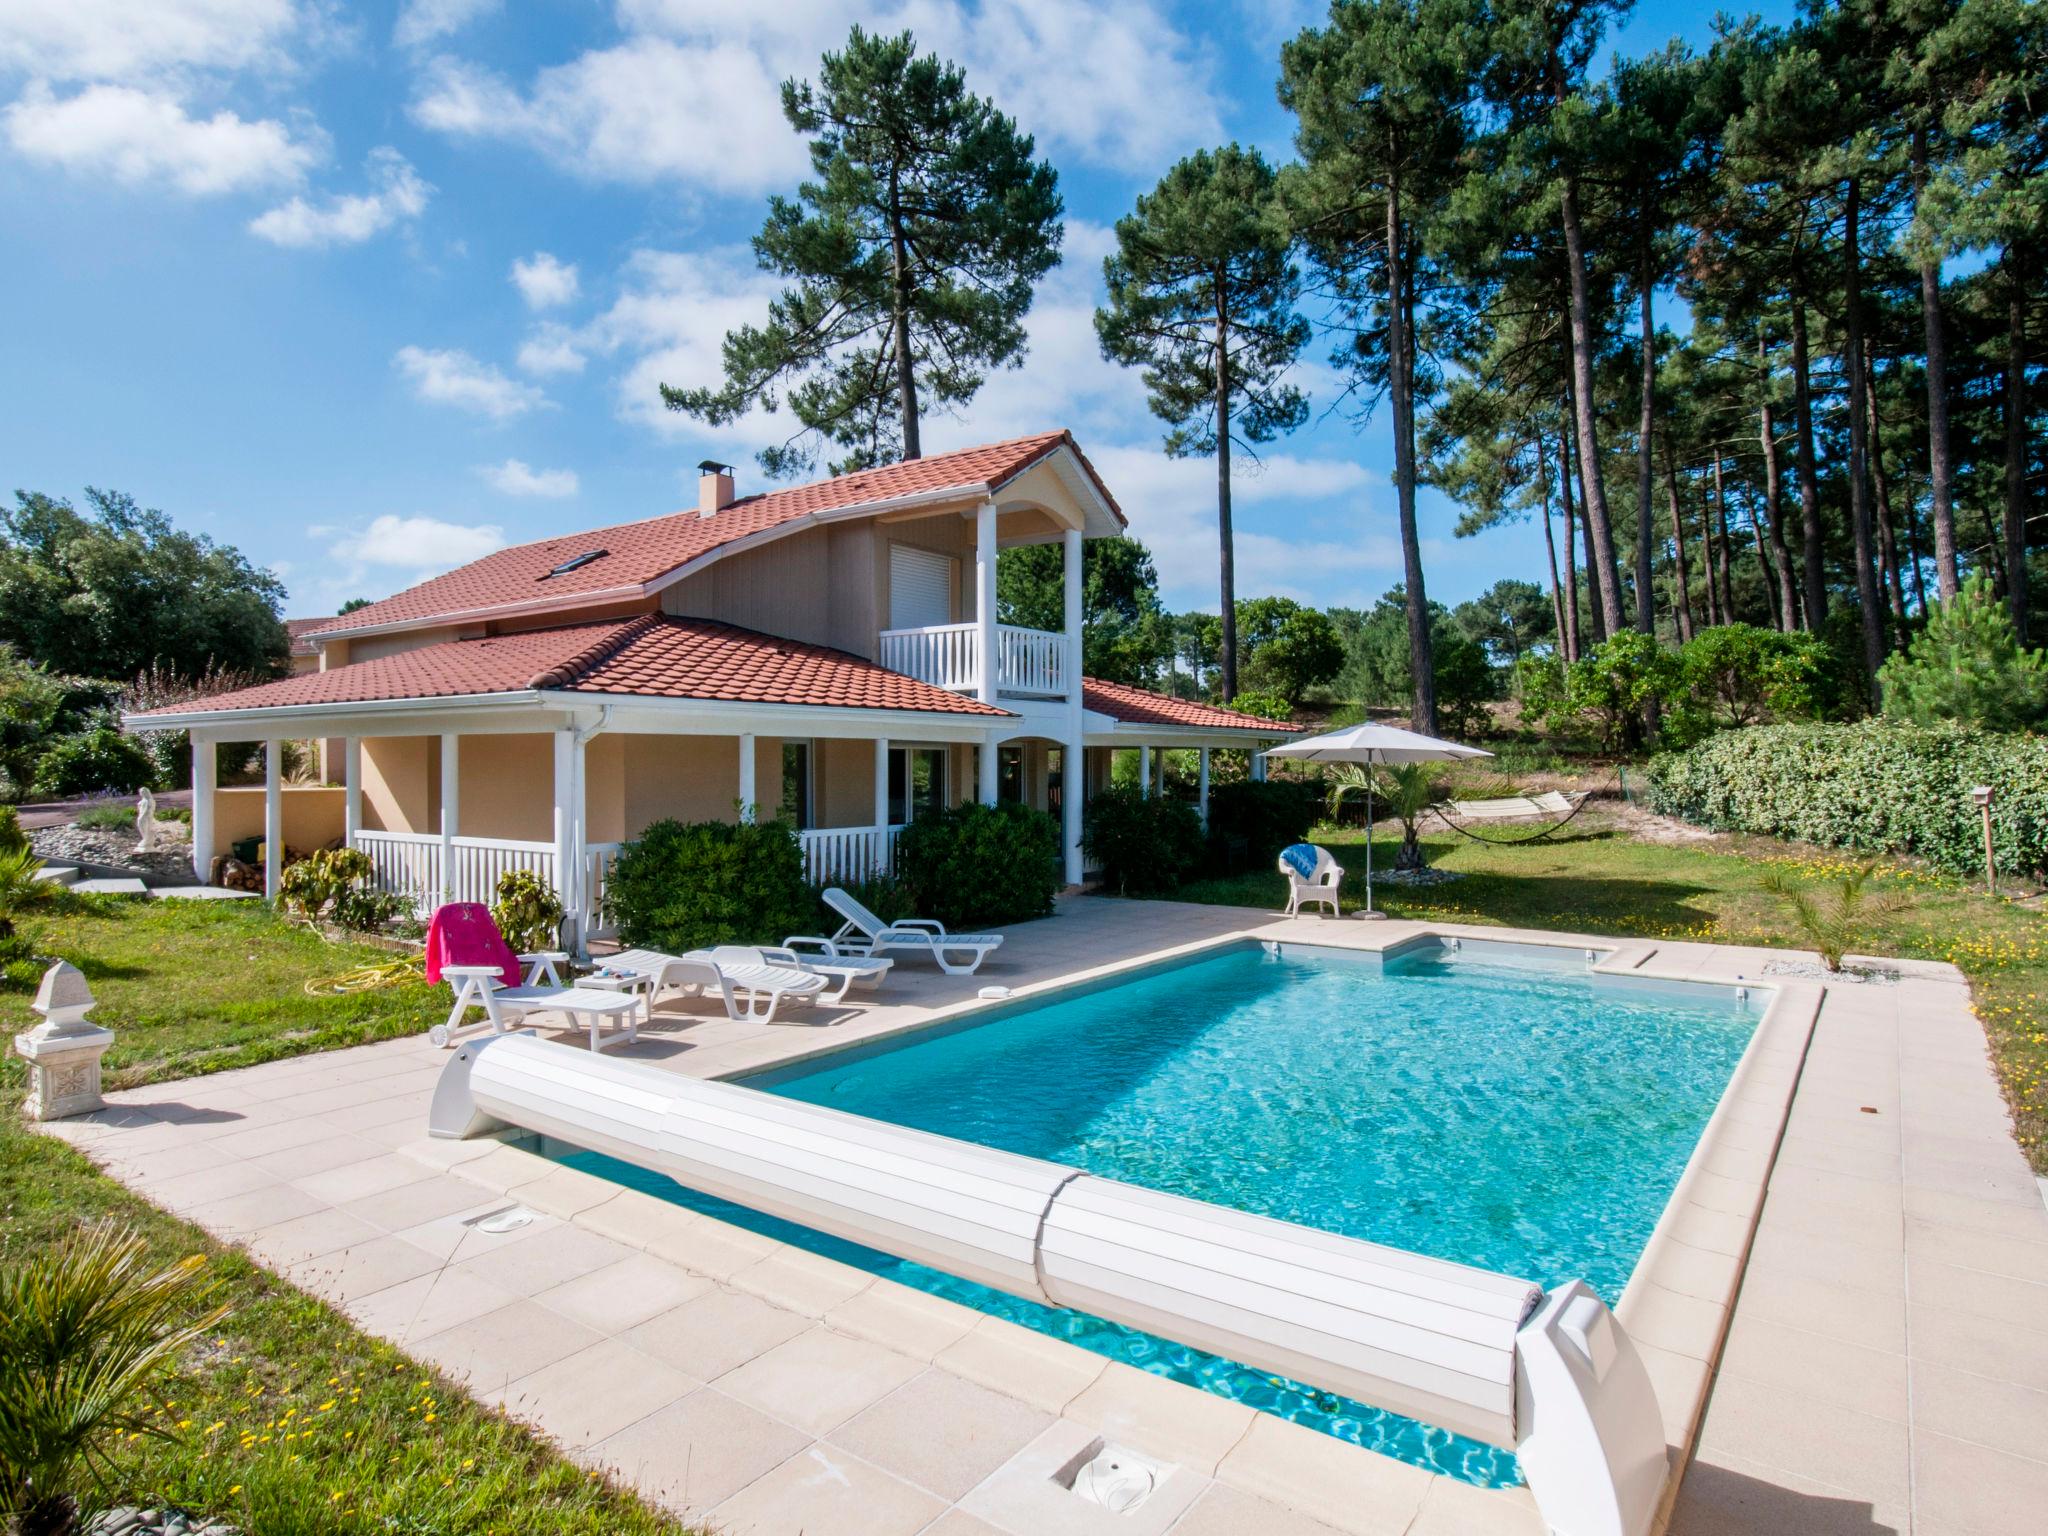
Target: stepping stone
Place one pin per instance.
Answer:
(111, 887)
(200, 893)
(57, 874)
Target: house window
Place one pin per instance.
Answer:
(1055, 782)
(1010, 774)
(796, 784)
(917, 783)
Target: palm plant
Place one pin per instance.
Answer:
(1831, 922)
(1406, 790)
(22, 887)
(84, 1329)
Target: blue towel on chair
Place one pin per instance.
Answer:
(1301, 857)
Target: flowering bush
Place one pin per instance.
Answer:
(1877, 786)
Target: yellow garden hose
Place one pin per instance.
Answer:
(369, 978)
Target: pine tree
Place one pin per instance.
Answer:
(1202, 293)
(913, 254)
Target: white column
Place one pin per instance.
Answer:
(205, 777)
(990, 758)
(746, 795)
(352, 799)
(985, 606)
(1071, 773)
(273, 816)
(1144, 773)
(881, 853)
(451, 811)
(1202, 793)
(1258, 772)
(568, 844)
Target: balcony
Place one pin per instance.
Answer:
(1030, 663)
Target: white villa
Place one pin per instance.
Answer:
(829, 651)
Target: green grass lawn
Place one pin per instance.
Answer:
(191, 987)
(1595, 877)
(290, 1419)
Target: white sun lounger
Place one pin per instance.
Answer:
(478, 986)
(957, 954)
(747, 982)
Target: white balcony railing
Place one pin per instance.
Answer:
(409, 864)
(1028, 661)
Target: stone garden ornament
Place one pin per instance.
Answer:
(63, 1052)
(145, 821)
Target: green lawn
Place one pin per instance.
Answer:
(191, 987)
(290, 1419)
(1595, 877)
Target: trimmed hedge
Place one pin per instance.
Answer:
(980, 865)
(1267, 814)
(1876, 786)
(681, 886)
(1142, 844)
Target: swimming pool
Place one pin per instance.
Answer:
(1499, 1105)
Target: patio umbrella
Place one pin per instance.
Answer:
(1374, 745)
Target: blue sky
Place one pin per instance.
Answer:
(368, 290)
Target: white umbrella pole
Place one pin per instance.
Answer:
(1368, 837)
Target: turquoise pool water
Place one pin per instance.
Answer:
(1497, 1105)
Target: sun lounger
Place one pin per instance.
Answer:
(957, 954)
(746, 980)
(466, 950)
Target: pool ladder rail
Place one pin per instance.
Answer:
(1551, 1376)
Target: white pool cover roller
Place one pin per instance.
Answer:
(1552, 1377)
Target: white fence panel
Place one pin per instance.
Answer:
(847, 855)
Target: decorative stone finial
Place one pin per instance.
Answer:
(63, 1052)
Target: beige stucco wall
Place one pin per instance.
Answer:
(815, 586)
(401, 783)
(507, 787)
(842, 783)
(313, 816)
(693, 778)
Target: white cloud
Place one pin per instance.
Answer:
(646, 111)
(515, 477)
(398, 193)
(543, 281)
(452, 377)
(138, 137)
(690, 94)
(422, 21)
(418, 543)
(127, 39)
(550, 349)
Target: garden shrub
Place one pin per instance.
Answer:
(113, 816)
(1967, 665)
(1265, 815)
(976, 865)
(334, 886)
(1731, 675)
(1266, 705)
(528, 912)
(12, 838)
(1877, 786)
(95, 759)
(685, 885)
(1141, 844)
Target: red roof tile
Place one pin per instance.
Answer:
(1141, 706)
(651, 656)
(632, 554)
(300, 633)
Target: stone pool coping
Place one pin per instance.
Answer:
(221, 1150)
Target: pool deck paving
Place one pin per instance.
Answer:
(1845, 1309)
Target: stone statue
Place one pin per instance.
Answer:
(145, 821)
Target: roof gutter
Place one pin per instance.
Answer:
(178, 720)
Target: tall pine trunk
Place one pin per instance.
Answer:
(1227, 557)
(1816, 593)
(1596, 613)
(899, 318)
(1867, 597)
(1550, 549)
(1681, 581)
(1940, 475)
(1887, 537)
(1763, 565)
(1721, 556)
(1606, 576)
(1571, 547)
(1400, 379)
(2016, 439)
(1767, 437)
(1646, 472)
(1714, 614)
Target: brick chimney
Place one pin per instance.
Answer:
(714, 488)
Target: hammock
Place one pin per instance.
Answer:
(1456, 814)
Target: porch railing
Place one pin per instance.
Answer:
(1028, 661)
(843, 855)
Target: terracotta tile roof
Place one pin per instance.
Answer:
(633, 554)
(651, 656)
(300, 633)
(1141, 706)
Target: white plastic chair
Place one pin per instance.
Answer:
(866, 934)
(478, 986)
(1317, 888)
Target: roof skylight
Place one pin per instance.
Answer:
(574, 562)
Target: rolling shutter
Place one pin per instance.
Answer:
(920, 587)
